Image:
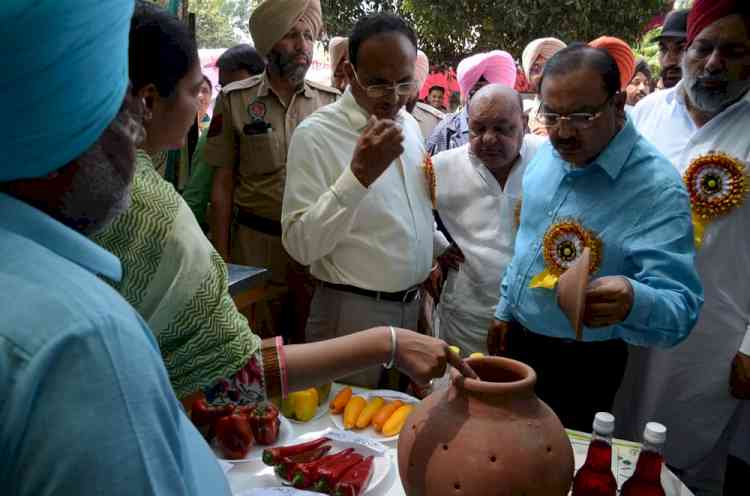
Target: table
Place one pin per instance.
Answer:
(247, 286)
(625, 454)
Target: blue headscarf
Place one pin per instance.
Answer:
(64, 76)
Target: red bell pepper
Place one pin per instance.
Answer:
(355, 481)
(265, 423)
(305, 475)
(330, 474)
(204, 416)
(234, 436)
(273, 456)
(286, 466)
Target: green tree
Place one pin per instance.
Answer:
(449, 30)
(221, 23)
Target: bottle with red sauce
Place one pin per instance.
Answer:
(595, 477)
(646, 481)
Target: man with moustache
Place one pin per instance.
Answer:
(597, 184)
(357, 203)
(477, 178)
(702, 126)
(672, 47)
(247, 144)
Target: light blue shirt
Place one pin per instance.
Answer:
(87, 407)
(635, 202)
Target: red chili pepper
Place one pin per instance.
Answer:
(355, 481)
(305, 475)
(330, 474)
(273, 456)
(264, 423)
(286, 466)
(204, 416)
(234, 436)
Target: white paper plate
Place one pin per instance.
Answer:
(256, 476)
(387, 395)
(286, 434)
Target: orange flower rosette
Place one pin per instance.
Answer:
(564, 242)
(429, 174)
(717, 184)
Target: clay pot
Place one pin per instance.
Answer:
(486, 437)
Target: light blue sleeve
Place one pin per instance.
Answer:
(95, 415)
(503, 309)
(668, 294)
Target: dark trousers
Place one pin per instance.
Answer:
(576, 379)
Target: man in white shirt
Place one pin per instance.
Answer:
(702, 126)
(478, 198)
(357, 203)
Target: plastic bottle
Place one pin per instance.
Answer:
(646, 481)
(595, 477)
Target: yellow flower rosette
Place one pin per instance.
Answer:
(564, 242)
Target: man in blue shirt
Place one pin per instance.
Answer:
(87, 407)
(597, 184)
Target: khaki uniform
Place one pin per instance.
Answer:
(428, 117)
(250, 132)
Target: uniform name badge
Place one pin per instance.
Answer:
(564, 242)
(717, 184)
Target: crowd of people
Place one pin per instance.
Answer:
(391, 230)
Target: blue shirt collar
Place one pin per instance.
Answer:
(614, 156)
(28, 222)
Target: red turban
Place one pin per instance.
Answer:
(706, 12)
(623, 55)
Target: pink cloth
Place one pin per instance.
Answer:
(421, 68)
(496, 66)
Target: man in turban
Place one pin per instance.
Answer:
(87, 404)
(534, 56)
(247, 143)
(623, 55)
(497, 67)
(338, 48)
(426, 115)
(702, 125)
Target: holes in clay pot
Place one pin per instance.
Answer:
(457, 486)
(549, 449)
(414, 427)
(493, 458)
(445, 447)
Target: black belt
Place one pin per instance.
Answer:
(406, 296)
(257, 223)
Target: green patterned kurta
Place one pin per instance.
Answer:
(178, 283)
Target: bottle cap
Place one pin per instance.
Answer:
(455, 349)
(655, 433)
(604, 423)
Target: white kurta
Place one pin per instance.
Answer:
(480, 215)
(687, 387)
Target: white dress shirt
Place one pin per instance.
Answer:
(379, 238)
(687, 387)
(480, 216)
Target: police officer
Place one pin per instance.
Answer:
(427, 116)
(247, 144)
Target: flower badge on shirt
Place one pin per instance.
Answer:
(564, 242)
(717, 184)
(429, 175)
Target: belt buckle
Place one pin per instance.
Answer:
(407, 294)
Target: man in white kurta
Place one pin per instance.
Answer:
(357, 205)
(688, 387)
(478, 189)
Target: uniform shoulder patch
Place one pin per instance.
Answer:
(323, 87)
(243, 84)
(431, 110)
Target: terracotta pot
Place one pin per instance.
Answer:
(486, 437)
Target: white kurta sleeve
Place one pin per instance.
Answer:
(320, 201)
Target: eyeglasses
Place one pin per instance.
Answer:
(383, 90)
(578, 120)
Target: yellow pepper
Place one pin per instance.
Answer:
(396, 422)
(352, 411)
(369, 412)
(305, 404)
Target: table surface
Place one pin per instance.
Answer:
(625, 454)
(242, 278)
